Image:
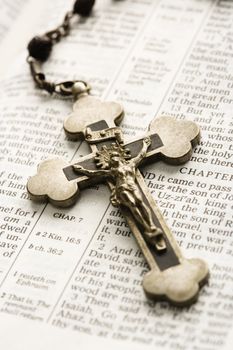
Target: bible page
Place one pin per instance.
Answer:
(18, 19)
(10, 11)
(72, 277)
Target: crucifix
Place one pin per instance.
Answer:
(171, 277)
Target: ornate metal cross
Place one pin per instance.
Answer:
(171, 276)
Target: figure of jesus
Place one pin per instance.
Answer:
(126, 192)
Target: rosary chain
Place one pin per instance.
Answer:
(40, 48)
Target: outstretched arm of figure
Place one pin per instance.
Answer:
(146, 144)
(79, 169)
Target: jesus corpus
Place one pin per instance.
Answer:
(124, 188)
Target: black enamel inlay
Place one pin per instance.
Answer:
(100, 125)
(134, 148)
(71, 174)
(166, 258)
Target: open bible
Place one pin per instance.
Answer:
(71, 277)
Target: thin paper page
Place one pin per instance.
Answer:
(10, 11)
(77, 272)
(18, 20)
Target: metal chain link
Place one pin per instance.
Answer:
(63, 88)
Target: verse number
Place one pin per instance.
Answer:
(55, 251)
(101, 246)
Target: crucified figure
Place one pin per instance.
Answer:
(125, 191)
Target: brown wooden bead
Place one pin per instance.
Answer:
(83, 7)
(40, 48)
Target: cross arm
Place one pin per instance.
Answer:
(134, 147)
(58, 182)
(142, 154)
(80, 170)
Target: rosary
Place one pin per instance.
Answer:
(171, 277)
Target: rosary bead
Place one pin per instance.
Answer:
(83, 7)
(40, 48)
